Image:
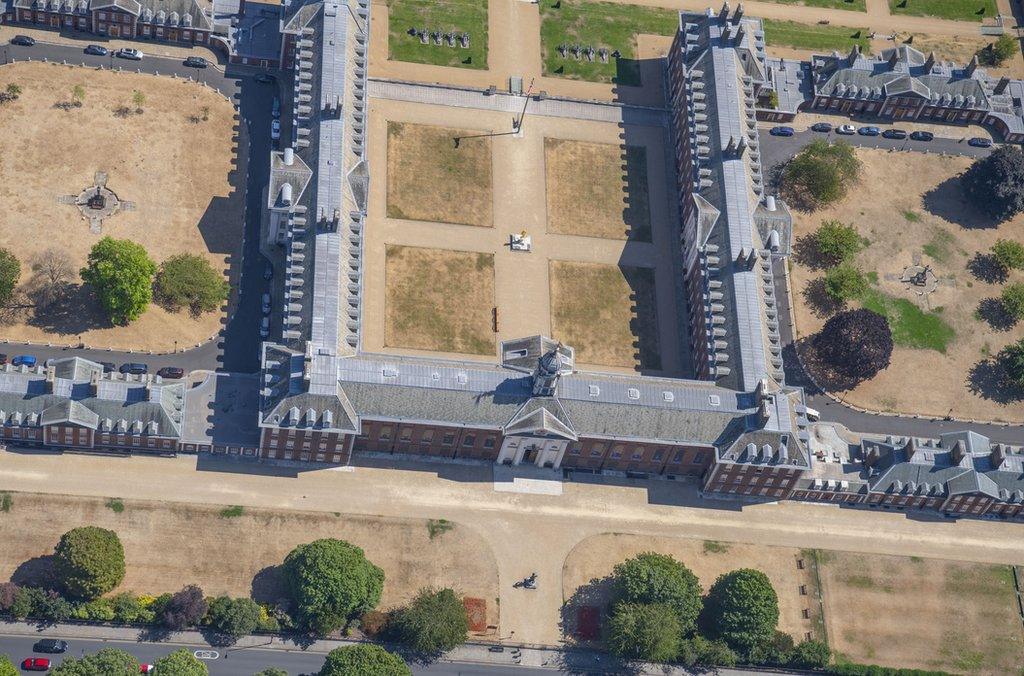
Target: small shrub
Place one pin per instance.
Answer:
(1009, 254)
(115, 505)
(845, 282)
(6, 502)
(1012, 298)
(438, 527)
(232, 512)
(184, 609)
(233, 617)
(715, 547)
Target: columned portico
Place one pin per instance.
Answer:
(539, 451)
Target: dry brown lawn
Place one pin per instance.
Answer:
(922, 614)
(178, 173)
(926, 219)
(597, 190)
(439, 300)
(606, 312)
(593, 559)
(429, 179)
(168, 545)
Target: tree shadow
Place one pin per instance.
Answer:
(948, 201)
(595, 594)
(154, 633)
(818, 300)
(986, 268)
(990, 380)
(807, 253)
(78, 310)
(994, 313)
(39, 571)
(268, 586)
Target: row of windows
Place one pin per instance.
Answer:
(427, 436)
(597, 451)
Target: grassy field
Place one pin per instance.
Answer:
(956, 10)
(607, 312)
(599, 24)
(429, 179)
(819, 38)
(439, 300)
(590, 194)
(460, 16)
(851, 5)
(911, 326)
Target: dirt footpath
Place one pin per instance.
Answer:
(168, 545)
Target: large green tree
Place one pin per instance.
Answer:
(743, 609)
(185, 608)
(89, 561)
(644, 631)
(1012, 359)
(7, 667)
(121, 273)
(188, 280)
(10, 273)
(363, 660)
(1012, 299)
(331, 581)
(107, 662)
(1009, 254)
(658, 578)
(821, 173)
(434, 622)
(233, 617)
(180, 663)
(845, 282)
(995, 183)
(856, 343)
(836, 241)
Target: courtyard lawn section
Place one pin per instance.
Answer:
(911, 326)
(954, 10)
(590, 194)
(851, 5)
(814, 37)
(439, 300)
(599, 24)
(606, 312)
(461, 16)
(430, 179)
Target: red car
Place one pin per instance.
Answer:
(146, 668)
(36, 664)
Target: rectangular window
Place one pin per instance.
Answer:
(575, 449)
(448, 439)
(102, 15)
(427, 436)
(698, 458)
(659, 454)
(638, 455)
(595, 453)
(405, 434)
(678, 457)
(489, 442)
(385, 434)
(469, 440)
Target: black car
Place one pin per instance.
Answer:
(979, 142)
(50, 645)
(921, 136)
(108, 366)
(134, 368)
(23, 40)
(821, 126)
(782, 131)
(171, 372)
(894, 133)
(196, 62)
(263, 78)
(3, 359)
(97, 50)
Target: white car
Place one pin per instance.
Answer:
(130, 53)
(275, 129)
(846, 129)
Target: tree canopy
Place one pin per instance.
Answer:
(10, 273)
(1012, 298)
(644, 631)
(1009, 254)
(836, 241)
(1012, 359)
(996, 53)
(108, 662)
(180, 663)
(331, 581)
(995, 183)
(821, 173)
(7, 667)
(364, 660)
(188, 280)
(89, 561)
(657, 578)
(185, 608)
(742, 608)
(233, 617)
(121, 273)
(856, 343)
(271, 671)
(434, 622)
(810, 654)
(845, 282)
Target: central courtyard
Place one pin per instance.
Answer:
(592, 197)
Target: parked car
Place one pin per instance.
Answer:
(171, 372)
(894, 133)
(821, 126)
(264, 78)
(782, 131)
(196, 62)
(869, 131)
(268, 272)
(146, 668)
(276, 109)
(129, 53)
(134, 368)
(265, 327)
(23, 40)
(275, 130)
(108, 366)
(921, 135)
(50, 645)
(97, 50)
(36, 664)
(846, 129)
(3, 358)
(265, 304)
(24, 360)
(979, 142)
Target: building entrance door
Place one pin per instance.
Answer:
(115, 31)
(530, 455)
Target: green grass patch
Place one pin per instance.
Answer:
(911, 216)
(941, 246)
(232, 511)
(872, 277)
(438, 527)
(850, 5)
(446, 16)
(115, 505)
(715, 547)
(954, 10)
(865, 582)
(911, 326)
(6, 502)
(815, 37)
(599, 24)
